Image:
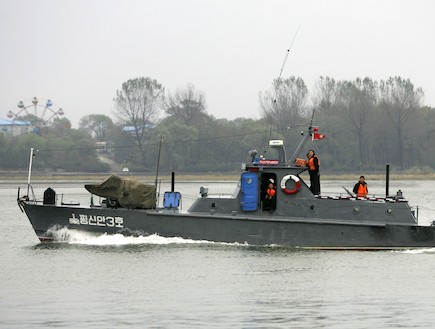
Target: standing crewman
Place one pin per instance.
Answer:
(360, 189)
(313, 165)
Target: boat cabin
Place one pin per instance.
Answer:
(292, 197)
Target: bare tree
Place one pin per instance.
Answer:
(186, 104)
(285, 102)
(325, 92)
(400, 100)
(357, 99)
(137, 104)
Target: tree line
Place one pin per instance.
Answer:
(367, 123)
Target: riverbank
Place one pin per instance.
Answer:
(22, 177)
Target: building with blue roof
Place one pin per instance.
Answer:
(13, 128)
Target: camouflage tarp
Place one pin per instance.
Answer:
(128, 192)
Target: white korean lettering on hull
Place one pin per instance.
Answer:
(96, 220)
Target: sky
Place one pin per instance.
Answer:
(79, 52)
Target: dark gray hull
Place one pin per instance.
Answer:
(254, 230)
(271, 205)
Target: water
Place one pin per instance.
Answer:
(154, 282)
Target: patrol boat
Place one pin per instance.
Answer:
(295, 217)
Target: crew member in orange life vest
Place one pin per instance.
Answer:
(269, 198)
(271, 191)
(360, 188)
(313, 165)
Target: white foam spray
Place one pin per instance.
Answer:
(87, 238)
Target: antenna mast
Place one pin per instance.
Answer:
(287, 53)
(278, 81)
(304, 140)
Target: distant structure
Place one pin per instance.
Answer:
(14, 128)
(37, 117)
(131, 130)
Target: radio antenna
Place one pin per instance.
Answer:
(287, 53)
(282, 68)
(283, 65)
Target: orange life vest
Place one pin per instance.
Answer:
(271, 192)
(362, 190)
(310, 162)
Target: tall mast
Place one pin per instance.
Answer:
(303, 141)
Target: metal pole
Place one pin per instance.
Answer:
(158, 159)
(387, 180)
(30, 169)
(301, 145)
(303, 141)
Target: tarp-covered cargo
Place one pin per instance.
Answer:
(128, 192)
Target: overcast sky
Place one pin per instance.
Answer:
(78, 53)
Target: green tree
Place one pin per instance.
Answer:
(19, 151)
(177, 146)
(97, 125)
(59, 127)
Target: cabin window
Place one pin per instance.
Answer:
(268, 198)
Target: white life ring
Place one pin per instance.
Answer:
(294, 179)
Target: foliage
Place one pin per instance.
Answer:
(285, 102)
(367, 123)
(325, 93)
(356, 100)
(186, 105)
(97, 125)
(400, 100)
(66, 150)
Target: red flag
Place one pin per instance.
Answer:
(317, 136)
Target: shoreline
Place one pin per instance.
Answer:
(39, 177)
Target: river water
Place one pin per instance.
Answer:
(154, 282)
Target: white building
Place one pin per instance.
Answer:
(13, 128)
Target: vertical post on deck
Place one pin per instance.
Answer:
(158, 159)
(387, 180)
(30, 169)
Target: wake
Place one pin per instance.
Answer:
(85, 238)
